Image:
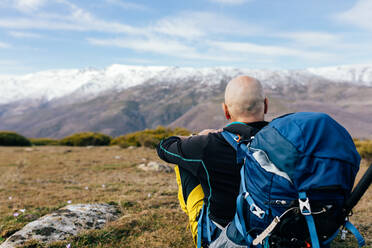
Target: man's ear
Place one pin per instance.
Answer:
(266, 105)
(226, 111)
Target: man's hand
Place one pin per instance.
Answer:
(203, 132)
(207, 131)
(183, 137)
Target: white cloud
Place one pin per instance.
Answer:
(346, 46)
(216, 51)
(266, 50)
(76, 20)
(178, 26)
(86, 21)
(10, 68)
(359, 15)
(156, 45)
(29, 23)
(4, 45)
(127, 5)
(192, 25)
(230, 2)
(8, 62)
(28, 5)
(187, 25)
(189, 35)
(21, 34)
(139, 61)
(312, 39)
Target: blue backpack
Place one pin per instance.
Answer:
(296, 174)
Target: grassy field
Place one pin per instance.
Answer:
(42, 179)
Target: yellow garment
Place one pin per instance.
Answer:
(193, 205)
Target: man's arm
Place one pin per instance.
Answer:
(186, 152)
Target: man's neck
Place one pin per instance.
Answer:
(246, 119)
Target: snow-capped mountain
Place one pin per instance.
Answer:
(53, 84)
(121, 99)
(358, 74)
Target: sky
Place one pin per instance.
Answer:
(38, 35)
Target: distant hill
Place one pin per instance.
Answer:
(122, 99)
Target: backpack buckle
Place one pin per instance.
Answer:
(246, 194)
(237, 138)
(257, 211)
(304, 206)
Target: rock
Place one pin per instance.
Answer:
(155, 166)
(22, 163)
(63, 223)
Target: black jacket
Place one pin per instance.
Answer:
(213, 161)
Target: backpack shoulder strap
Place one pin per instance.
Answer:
(232, 139)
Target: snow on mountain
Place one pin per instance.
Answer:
(359, 74)
(53, 84)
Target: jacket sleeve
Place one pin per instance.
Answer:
(185, 152)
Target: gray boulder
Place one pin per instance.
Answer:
(155, 166)
(63, 223)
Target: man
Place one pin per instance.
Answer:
(207, 171)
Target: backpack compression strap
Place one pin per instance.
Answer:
(306, 212)
(203, 220)
(239, 221)
(349, 226)
(356, 233)
(200, 220)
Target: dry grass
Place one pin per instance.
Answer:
(362, 216)
(46, 178)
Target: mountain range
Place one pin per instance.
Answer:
(121, 99)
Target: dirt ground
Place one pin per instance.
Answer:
(37, 180)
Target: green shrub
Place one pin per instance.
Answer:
(181, 131)
(13, 139)
(148, 137)
(44, 142)
(364, 148)
(86, 139)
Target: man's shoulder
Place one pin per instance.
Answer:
(203, 145)
(213, 139)
(193, 146)
(246, 129)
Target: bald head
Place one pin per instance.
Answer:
(245, 99)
